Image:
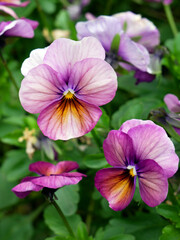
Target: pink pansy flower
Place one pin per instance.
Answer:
(139, 149)
(67, 87)
(8, 11)
(166, 2)
(51, 178)
(18, 28)
(140, 29)
(14, 3)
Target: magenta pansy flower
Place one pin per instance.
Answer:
(14, 3)
(66, 83)
(140, 29)
(172, 103)
(51, 177)
(139, 149)
(104, 28)
(18, 28)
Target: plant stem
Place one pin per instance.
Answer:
(170, 18)
(9, 71)
(63, 218)
(96, 139)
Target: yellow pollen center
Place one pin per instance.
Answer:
(131, 172)
(68, 95)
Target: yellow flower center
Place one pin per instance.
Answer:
(132, 170)
(68, 94)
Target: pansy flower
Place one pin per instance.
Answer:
(139, 149)
(18, 28)
(66, 83)
(104, 28)
(51, 178)
(14, 3)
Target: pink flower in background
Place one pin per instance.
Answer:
(172, 103)
(166, 2)
(104, 28)
(139, 149)
(8, 11)
(51, 177)
(14, 3)
(18, 28)
(140, 29)
(66, 83)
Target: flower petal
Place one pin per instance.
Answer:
(118, 149)
(68, 118)
(62, 54)
(42, 168)
(93, 81)
(57, 181)
(39, 88)
(36, 57)
(150, 141)
(126, 126)
(26, 187)
(104, 28)
(134, 53)
(16, 29)
(116, 185)
(172, 103)
(9, 11)
(153, 184)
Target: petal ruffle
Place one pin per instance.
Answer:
(56, 181)
(116, 185)
(68, 118)
(118, 149)
(134, 53)
(36, 58)
(62, 54)
(93, 81)
(46, 168)
(172, 103)
(104, 28)
(40, 88)
(150, 141)
(26, 187)
(153, 184)
(126, 126)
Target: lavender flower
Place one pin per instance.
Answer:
(14, 3)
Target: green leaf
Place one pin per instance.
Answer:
(56, 224)
(15, 165)
(82, 231)
(143, 226)
(99, 234)
(7, 197)
(138, 108)
(170, 212)
(115, 43)
(15, 227)
(170, 233)
(123, 237)
(68, 199)
(95, 161)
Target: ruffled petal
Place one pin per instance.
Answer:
(134, 53)
(68, 118)
(118, 149)
(150, 141)
(62, 54)
(104, 28)
(26, 187)
(36, 58)
(9, 11)
(93, 81)
(56, 181)
(116, 185)
(40, 88)
(153, 184)
(172, 103)
(126, 126)
(16, 29)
